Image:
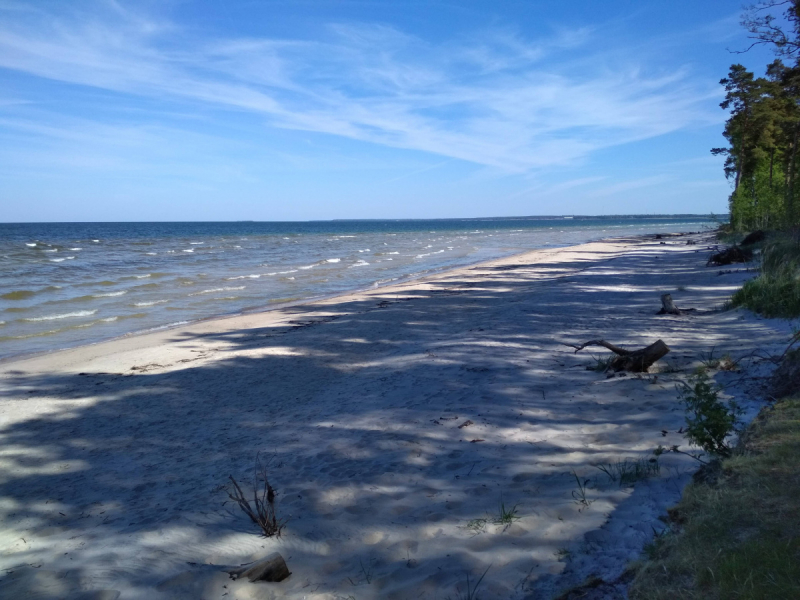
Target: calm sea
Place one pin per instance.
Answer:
(67, 284)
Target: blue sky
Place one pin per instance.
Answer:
(296, 110)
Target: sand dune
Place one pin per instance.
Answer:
(112, 454)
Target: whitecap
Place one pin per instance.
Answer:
(392, 253)
(31, 245)
(222, 289)
(96, 241)
(108, 319)
(53, 250)
(142, 276)
(244, 277)
(80, 313)
(149, 303)
(110, 294)
(196, 243)
(290, 278)
(75, 249)
(150, 253)
(287, 272)
(57, 259)
(367, 250)
(333, 260)
(360, 263)
(189, 250)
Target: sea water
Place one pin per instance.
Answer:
(67, 284)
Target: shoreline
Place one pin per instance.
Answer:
(314, 299)
(399, 420)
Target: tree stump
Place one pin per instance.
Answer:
(635, 361)
(270, 568)
(668, 306)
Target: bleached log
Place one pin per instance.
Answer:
(270, 568)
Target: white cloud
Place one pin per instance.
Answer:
(496, 100)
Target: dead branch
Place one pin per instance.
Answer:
(668, 307)
(262, 509)
(635, 361)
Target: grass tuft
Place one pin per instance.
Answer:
(628, 472)
(737, 535)
(776, 291)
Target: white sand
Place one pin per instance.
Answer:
(111, 453)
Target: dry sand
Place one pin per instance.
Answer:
(112, 454)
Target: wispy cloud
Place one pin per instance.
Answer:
(498, 99)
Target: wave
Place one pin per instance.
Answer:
(75, 249)
(360, 263)
(151, 303)
(110, 294)
(189, 250)
(334, 260)
(31, 245)
(244, 277)
(80, 313)
(222, 289)
(307, 267)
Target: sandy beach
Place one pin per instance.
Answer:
(113, 454)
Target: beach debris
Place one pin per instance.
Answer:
(734, 254)
(269, 568)
(262, 509)
(753, 238)
(636, 361)
(668, 307)
(466, 423)
(477, 441)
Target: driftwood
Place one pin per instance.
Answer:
(270, 568)
(668, 307)
(636, 361)
(753, 238)
(734, 254)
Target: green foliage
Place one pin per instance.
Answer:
(709, 421)
(738, 536)
(628, 472)
(776, 291)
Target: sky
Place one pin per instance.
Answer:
(180, 110)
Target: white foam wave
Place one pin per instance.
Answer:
(306, 267)
(80, 313)
(392, 253)
(150, 253)
(154, 302)
(96, 241)
(360, 263)
(189, 250)
(31, 245)
(110, 294)
(365, 250)
(142, 276)
(243, 277)
(222, 289)
(57, 259)
(75, 249)
(196, 243)
(108, 319)
(51, 250)
(334, 260)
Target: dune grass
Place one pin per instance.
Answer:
(736, 535)
(776, 291)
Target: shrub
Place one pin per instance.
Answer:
(709, 421)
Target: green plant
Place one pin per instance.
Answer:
(600, 364)
(563, 554)
(471, 593)
(628, 472)
(709, 421)
(477, 526)
(507, 516)
(776, 291)
(579, 494)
